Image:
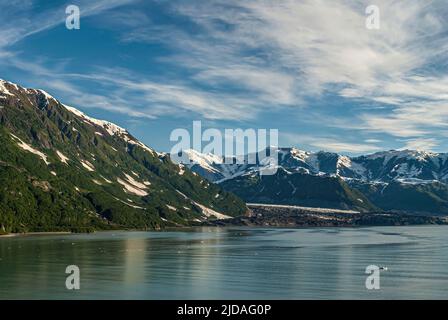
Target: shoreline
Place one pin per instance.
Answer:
(284, 216)
(222, 226)
(43, 233)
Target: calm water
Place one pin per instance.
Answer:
(237, 263)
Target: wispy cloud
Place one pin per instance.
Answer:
(27, 20)
(420, 144)
(330, 143)
(287, 51)
(144, 98)
(228, 58)
(339, 146)
(322, 43)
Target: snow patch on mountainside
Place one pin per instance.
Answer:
(111, 128)
(133, 186)
(204, 160)
(61, 156)
(107, 180)
(145, 147)
(130, 205)
(3, 89)
(132, 189)
(134, 182)
(205, 210)
(47, 96)
(28, 148)
(86, 164)
(182, 194)
(401, 154)
(210, 212)
(346, 162)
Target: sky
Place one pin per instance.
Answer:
(309, 68)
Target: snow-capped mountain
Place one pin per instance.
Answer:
(61, 169)
(406, 166)
(400, 180)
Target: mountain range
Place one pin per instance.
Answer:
(404, 180)
(63, 170)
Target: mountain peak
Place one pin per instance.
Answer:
(110, 127)
(398, 165)
(418, 155)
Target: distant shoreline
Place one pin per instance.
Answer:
(226, 224)
(12, 235)
(269, 215)
(289, 216)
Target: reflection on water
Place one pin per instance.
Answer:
(233, 263)
(135, 256)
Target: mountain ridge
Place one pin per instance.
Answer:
(61, 169)
(328, 163)
(388, 180)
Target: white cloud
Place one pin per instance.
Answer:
(329, 143)
(244, 57)
(421, 144)
(323, 46)
(152, 99)
(372, 141)
(322, 42)
(338, 146)
(27, 20)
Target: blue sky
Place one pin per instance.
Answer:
(308, 68)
